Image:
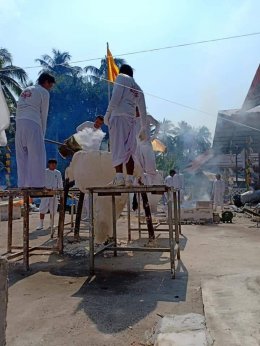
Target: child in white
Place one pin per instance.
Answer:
(53, 181)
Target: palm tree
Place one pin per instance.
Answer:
(10, 77)
(58, 64)
(94, 73)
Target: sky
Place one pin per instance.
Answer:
(208, 77)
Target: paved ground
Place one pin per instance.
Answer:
(56, 303)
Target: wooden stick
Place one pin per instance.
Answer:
(3, 300)
(10, 224)
(148, 214)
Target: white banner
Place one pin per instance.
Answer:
(4, 118)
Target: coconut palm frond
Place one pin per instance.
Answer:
(43, 63)
(5, 56)
(8, 95)
(61, 57)
(92, 70)
(46, 59)
(12, 84)
(14, 72)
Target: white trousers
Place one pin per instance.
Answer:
(30, 154)
(49, 204)
(122, 136)
(218, 200)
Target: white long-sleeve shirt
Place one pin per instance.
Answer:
(53, 179)
(126, 96)
(177, 181)
(33, 104)
(218, 190)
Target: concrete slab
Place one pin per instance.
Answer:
(180, 330)
(232, 309)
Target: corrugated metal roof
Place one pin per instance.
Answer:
(231, 136)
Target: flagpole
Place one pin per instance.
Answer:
(108, 82)
(108, 92)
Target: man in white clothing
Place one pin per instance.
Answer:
(53, 181)
(31, 121)
(121, 119)
(218, 192)
(89, 136)
(96, 125)
(169, 181)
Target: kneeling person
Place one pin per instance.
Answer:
(53, 181)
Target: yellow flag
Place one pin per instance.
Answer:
(158, 146)
(112, 69)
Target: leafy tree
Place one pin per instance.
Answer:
(11, 78)
(58, 65)
(94, 73)
(183, 143)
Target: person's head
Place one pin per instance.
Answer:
(46, 80)
(218, 176)
(172, 172)
(99, 121)
(52, 164)
(126, 69)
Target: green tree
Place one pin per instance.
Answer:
(58, 64)
(94, 73)
(183, 143)
(12, 78)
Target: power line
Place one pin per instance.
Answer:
(145, 51)
(158, 49)
(183, 105)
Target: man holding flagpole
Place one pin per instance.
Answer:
(121, 119)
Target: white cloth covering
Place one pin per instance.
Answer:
(4, 118)
(33, 105)
(89, 138)
(144, 156)
(86, 125)
(120, 118)
(30, 154)
(218, 193)
(53, 180)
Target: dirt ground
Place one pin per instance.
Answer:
(57, 303)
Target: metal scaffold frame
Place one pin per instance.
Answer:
(157, 225)
(173, 222)
(25, 249)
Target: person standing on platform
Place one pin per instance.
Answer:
(121, 119)
(53, 181)
(31, 121)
